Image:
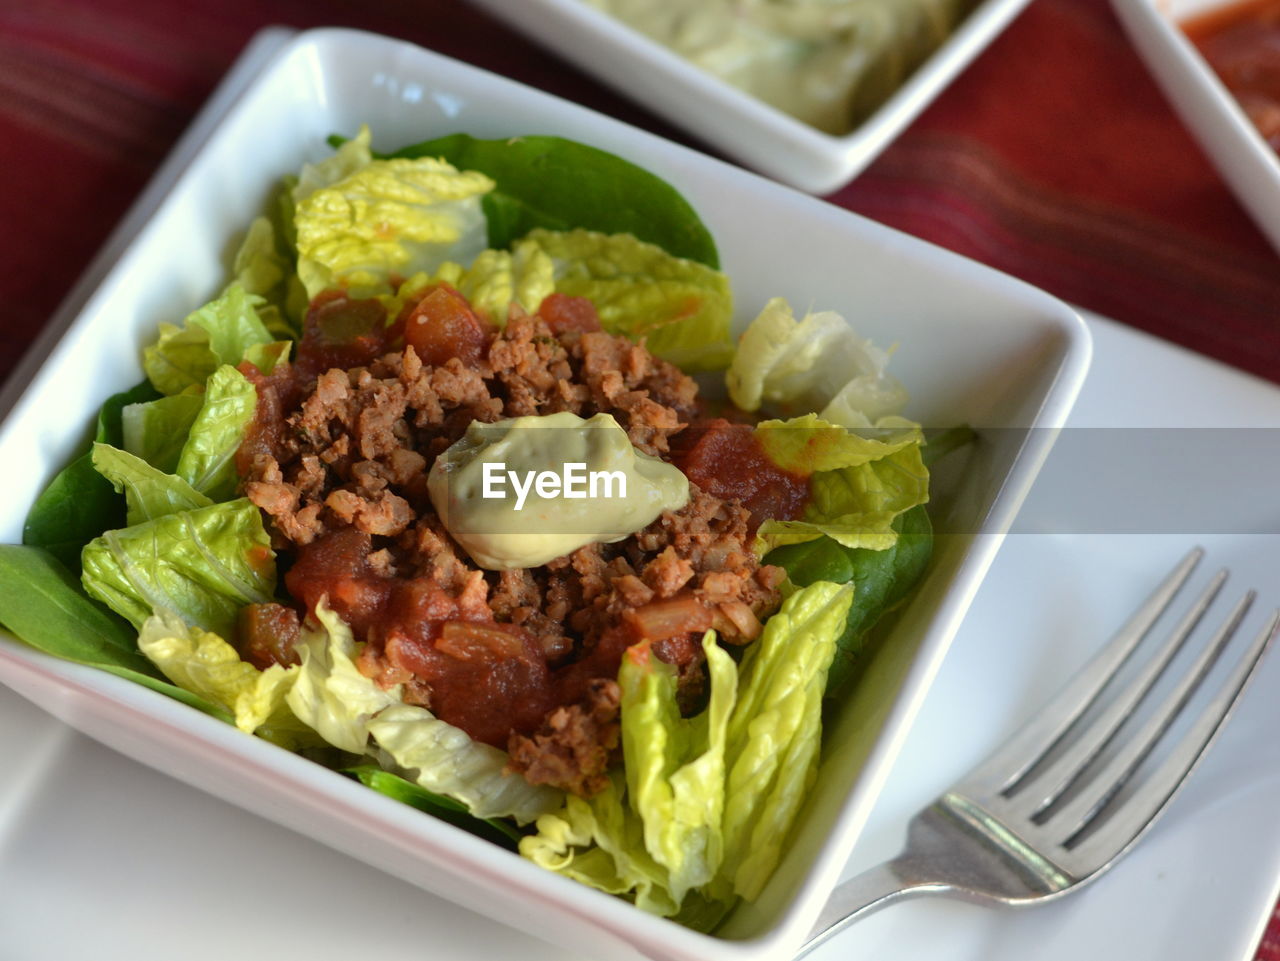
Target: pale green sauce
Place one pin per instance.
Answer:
(829, 63)
(524, 491)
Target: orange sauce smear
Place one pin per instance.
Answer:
(1241, 42)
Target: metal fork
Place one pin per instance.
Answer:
(1047, 812)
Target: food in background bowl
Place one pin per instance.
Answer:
(284, 516)
(830, 63)
(1241, 42)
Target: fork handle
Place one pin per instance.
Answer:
(873, 889)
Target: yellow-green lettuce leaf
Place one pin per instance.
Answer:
(331, 695)
(859, 481)
(675, 766)
(203, 663)
(818, 363)
(203, 564)
(682, 309)
(774, 733)
(366, 225)
(218, 333)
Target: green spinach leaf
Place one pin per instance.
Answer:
(559, 184)
(882, 580)
(446, 809)
(79, 504)
(42, 604)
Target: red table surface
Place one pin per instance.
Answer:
(1054, 158)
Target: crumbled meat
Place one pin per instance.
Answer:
(574, 746)
(339, 465)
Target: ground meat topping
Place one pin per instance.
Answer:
(523, 659)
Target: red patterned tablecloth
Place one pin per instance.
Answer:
(1053, 157)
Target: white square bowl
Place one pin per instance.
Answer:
(736, 123)
(975, 346)
(1247, 163)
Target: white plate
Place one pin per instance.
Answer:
(151, 869)
(749, 130)
(1248, 164)
(975, 346)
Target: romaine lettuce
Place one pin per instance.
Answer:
(815, 364)
(149, 493)
(157, 430)
(351, 712)
(708, 802)
(218, 333)
(676, 766)
(330, 694)
(857, 484)
(203, 564)
(203, 663)
(208, 458)
(365, 225)
(681, 308)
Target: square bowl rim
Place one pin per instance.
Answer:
(1209, 110)
(612, 912)
(844, 155)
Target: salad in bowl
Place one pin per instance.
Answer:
(461, 487)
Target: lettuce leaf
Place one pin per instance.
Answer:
(445, 760)
(558, 184)
(708, 802)
(264, 269)
(494, 280)
(351, 712)
(818, 364)
(881, 580)
(771, 747)
(676, 766)
(79, 504)
(149, 493)
(330, 694)
(600, 842)
(203, 564)
(858, 482)
(157, 430)
(365, 224)
(208, 458)
(203, 663)
(45, 606)
(681, 308)
(218, 333)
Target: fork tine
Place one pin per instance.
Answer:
(1080, 811)
(1064, 770)
(1131, 819)
(1008, 767)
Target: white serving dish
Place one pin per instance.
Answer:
(976, 346)
(736, 123)
(1247, 163)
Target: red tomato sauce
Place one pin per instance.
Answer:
(726, 460)
(1242, 44)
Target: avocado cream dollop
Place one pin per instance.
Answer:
(524, 491)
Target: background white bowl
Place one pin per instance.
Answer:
(975, 346)
(724, 117)
(1247, 163)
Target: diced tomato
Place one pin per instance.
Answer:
(562, 313)
(267, 634)
(726, 460)
(337, 565)
(340, 331)
(442, 325)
